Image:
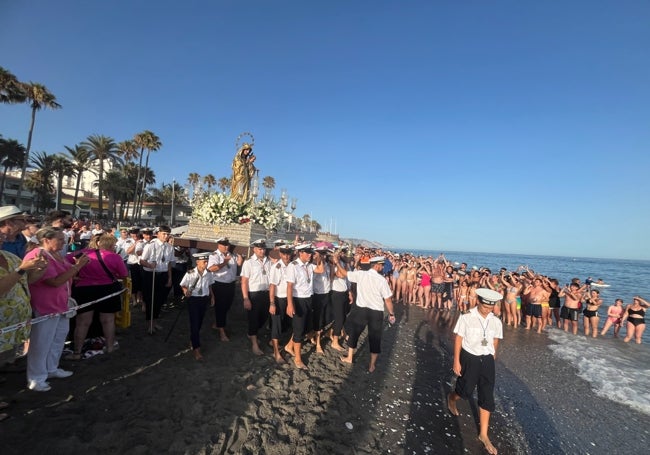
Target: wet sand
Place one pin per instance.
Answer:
(151, 396)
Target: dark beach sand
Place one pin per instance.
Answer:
(153, 397)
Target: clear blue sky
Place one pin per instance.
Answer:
(501, 126)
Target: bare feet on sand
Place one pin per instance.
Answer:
(337, 347)
(488, 445)
(346, 360)
(451, 405)
(289, 351)
(300, 366)
(197, 354)
(279, 359)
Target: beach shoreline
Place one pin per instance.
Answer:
(152, 396)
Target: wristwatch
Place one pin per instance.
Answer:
(20, 271)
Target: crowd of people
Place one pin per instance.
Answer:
(307, 293)
(530, 299)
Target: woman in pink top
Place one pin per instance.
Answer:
(95, 282)
(49, 295)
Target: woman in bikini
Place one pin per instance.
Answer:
(400, 287)
(512, 291)
(411, 273)
(463, 295)
(590, 313)
(635, 316)
(614, 315)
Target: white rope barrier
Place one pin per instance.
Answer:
(20, 325)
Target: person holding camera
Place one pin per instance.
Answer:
(590, 313)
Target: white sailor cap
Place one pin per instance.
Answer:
(305, 248)
(378, 260)
(261, 243)
(488, 296)
(223, 241)
(201, 256)
(279, 242)
(288, 249)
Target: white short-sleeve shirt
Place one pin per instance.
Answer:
(372, 288)
(474, 328)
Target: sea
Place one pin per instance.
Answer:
(616, 370)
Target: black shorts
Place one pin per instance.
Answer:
(534, 310)
(477, 372)
(569, 313)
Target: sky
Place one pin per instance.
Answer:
(501, 126)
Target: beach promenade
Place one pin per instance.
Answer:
(153, 397)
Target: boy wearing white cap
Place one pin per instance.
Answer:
(196, 286)
(255, 291)
(477, 337)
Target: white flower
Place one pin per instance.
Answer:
(219, 208)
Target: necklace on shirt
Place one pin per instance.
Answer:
(485, 341)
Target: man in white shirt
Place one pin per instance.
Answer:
(223, 266)
(299, 278)
(477, 337)
(134, 251)
(122, 244)
(278, 298)
(373, 292)
(156, 261)
(255, 291)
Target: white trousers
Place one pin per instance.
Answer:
(45, 347)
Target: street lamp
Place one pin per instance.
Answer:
(293, 208)
(173, 198)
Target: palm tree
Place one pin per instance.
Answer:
(61, 167)
(11, 91)
(224, 184)
(12, 155)
(40, 180)
(38, 97)
(118, 189)
(129, 150)
(81, 162)
(209, 181)
(148, 141)
(163, 196)
(193, 179)
(101, 149)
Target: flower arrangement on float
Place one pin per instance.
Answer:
(220, 208)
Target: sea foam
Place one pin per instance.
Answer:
(614, 369)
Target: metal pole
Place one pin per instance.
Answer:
(173, 197)
(153, 295)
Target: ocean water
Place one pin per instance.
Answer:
(616, 370)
